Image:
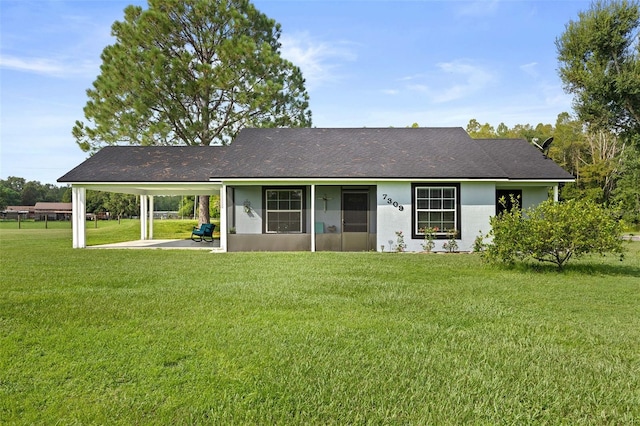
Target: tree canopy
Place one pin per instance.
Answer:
(599, 57)
(191, 72)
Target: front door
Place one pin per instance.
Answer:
(355, 220)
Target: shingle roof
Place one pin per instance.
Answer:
(147, 164)
(311, 153)
(46, 206)
(521, 160)
(358, 153)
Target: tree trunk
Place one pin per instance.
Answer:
(203, 209)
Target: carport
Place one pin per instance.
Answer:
(146, 192)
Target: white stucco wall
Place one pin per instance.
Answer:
(477, 203)
(392, 219)
(532, 196)
(248, 223)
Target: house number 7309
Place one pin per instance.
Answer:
(392, 202)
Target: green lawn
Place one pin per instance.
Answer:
(191, 337)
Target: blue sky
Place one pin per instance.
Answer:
(368, 63)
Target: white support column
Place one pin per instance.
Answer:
(223, 218)
(151, 217)
(79, 216)
(556, 196)
(313, 218)
(144, 211)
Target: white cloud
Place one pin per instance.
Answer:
(479, 8)
(411, 77)
(530, 69)
(36, 65)
(554, 96)
(318, 60)
(419, 88)
(49, 66)
(456, 80)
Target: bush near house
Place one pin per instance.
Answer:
(553, 232)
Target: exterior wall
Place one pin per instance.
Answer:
(390, 212)
(248, 222)
(394, 218)
(532, 196)
(478, 204)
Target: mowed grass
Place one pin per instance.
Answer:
(112, 231)
(190, 337)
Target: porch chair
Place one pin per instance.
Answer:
(205, 232)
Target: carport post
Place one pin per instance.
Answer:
(78, 216)
(144, 211)
(151, 217)
(313, 218)
(223, 218)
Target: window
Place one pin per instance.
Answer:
(505, 197)
(436, 206)
(284, 210)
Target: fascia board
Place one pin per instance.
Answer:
(151, 188)
(334, 181)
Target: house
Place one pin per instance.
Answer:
(52, 211)
(330, 189)
(22, 212)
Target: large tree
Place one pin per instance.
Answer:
(191, 72)
(599, 58)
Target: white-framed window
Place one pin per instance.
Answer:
(284, 212)
(436, 206)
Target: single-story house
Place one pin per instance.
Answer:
(52, 211)
(22, 212)
(330, 189)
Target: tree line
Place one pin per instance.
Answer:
(17, 191)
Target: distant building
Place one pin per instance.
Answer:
(52, 211)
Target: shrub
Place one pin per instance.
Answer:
(451, 245)
(429, 237)
(400, 244)
(553, 232)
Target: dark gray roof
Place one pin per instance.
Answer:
(521, 160)
(308, 153)
(358, 153)
(147, 164)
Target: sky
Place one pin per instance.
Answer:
(367, 63)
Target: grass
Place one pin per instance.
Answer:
(190, 337)
(112, 231)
